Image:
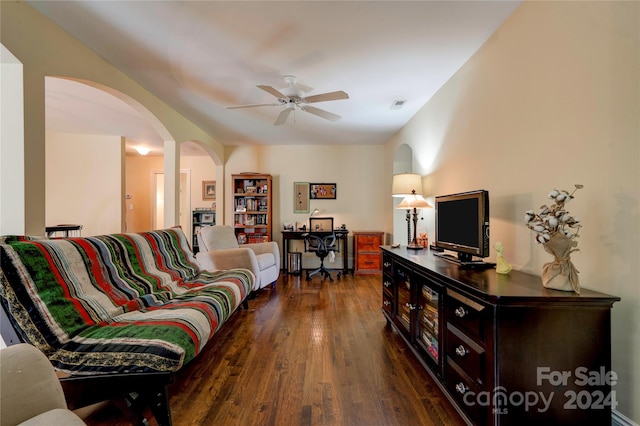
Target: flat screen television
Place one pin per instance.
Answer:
(462, 224)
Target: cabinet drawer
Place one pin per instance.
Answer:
(387, 265)
(467, 354)
(368, 243)
(369, 261)
(387, 303)
(466, 314)
(465, 391)
(387, 284)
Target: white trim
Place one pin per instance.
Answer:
(619, 419)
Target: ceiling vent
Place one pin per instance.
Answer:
(397, 104)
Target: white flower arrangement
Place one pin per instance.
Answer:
(554, 218)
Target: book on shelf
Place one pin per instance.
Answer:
(256, 237)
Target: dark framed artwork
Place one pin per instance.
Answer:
(323, 191)
(208, 189)
(301, 197)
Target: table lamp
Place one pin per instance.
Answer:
(404, 185)
(414, 202)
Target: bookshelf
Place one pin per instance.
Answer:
(252, 207)
(201, 217)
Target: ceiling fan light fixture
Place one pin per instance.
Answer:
(294, 95)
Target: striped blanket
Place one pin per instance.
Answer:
(134, 302)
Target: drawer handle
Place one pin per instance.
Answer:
(460, 312)
(387, 284)
(461, 351)
(410, 306)
(386, 303)
(387, 264)
(461, 388)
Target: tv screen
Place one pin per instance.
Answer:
(462, 223)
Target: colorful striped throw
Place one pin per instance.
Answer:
(135, 302)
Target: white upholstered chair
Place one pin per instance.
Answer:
(219, 249)
(31, 392)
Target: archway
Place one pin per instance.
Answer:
(97, 109)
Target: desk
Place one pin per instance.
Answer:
(341, 234)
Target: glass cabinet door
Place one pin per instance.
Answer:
(403, 312)
(428, 331)
(428, 323)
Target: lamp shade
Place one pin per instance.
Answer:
(414, 202)
(406, 184)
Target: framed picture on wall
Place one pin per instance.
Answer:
(301, 197)
(323, 191)
(208, 189)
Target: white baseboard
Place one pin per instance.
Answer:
(618, 419)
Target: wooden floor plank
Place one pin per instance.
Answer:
(305, 353)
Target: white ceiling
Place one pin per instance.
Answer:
(201, 56)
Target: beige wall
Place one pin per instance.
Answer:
(83, 181)
(12, 208)
(201, 169)
(551, 100)
(361, 196)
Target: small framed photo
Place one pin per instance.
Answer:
(323, 191)
(208, 189)
(301, 197)
(287, 226)
(207, 218)
(321, 224)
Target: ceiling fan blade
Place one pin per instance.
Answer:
(331, 96)
(321, 113)
(249, 106)
(271, 91)
(282, 117)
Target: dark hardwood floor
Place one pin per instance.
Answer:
(305, 353)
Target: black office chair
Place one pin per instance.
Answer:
(321, 240)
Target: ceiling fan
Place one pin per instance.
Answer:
(294, 95)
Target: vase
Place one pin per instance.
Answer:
(560, 274)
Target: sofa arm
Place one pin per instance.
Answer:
(268, 247)
(30, 386)
(229, 259)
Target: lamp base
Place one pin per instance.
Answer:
(413, 245)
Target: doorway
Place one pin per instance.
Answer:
(184, 202)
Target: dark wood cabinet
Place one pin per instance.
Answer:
(367, 255)
(504, 350)
(200, 217)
